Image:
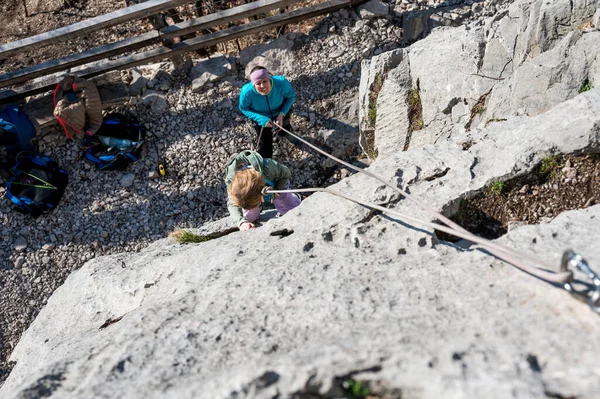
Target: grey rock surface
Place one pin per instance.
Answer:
(418, 24)
(210, 70)
(349, 292)
(548, 79)
(373, 73)
(277, 56)
(373, 9)
(137, 83)
(346, 293)
(392, 125)
(156, 101)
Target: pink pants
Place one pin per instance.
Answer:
(284, 202)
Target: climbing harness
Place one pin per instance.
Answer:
(512, 256)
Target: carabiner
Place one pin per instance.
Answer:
(570, 258)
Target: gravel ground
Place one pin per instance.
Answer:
(109, 212)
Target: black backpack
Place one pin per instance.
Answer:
(36, 185)
(116, 144)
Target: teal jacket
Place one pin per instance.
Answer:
(260, 108)
(276, 175)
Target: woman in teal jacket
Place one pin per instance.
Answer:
(267, 99)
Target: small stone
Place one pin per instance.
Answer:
(19, 262)
(46, 260)
(127, 180)
(153, 174)
(20, 244)
(524, 189)
(589, 202)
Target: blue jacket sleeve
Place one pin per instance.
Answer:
(246, 103)
(290, 96)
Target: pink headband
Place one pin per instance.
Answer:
(258, 75)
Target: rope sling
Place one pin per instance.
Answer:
(521, 260)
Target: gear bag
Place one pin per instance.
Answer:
(116, 144)
(16, 130)
(36, 185)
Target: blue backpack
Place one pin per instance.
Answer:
(117, 143)
(36, 185)
(16, 130)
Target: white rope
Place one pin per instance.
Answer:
(512, 256)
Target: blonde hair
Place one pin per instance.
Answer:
(246, 187)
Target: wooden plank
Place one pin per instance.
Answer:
(61, 64)
(220, 36)
(134, 12)
(225, 16)
(143, 40)
(185, 46)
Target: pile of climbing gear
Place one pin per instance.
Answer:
(117, 143)
(37, 184)
(34, 183)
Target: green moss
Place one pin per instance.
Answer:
(372, 114)
(375, 89)
(586, 85)
(415, 113)
(549, 165)
(498, 187)
(356, 389)
(477, 109)
(186, 237)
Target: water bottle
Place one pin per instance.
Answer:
(115, 142)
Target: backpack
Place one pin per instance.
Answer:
(36, 185)
(116, 144)
(16, 130)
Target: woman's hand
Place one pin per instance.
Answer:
(279, 121)
(246, 226)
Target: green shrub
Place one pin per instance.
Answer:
(415, 113)
(586, 85)
(356, 389)
(498, 187)
(186, 237)
(549, 165)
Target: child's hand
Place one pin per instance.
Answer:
(246, 226)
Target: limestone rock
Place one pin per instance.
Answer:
(372, 71)
(418, 24)
(373, 9)
(276, 56)
(210, 70)
(138, 83)
(156, 101)
(548, 79)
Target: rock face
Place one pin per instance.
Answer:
(276, 56)
(332, 290)
(522, 61)
(287, 308)
(210, 70)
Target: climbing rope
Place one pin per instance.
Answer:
(255, 148)
(518, 259)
